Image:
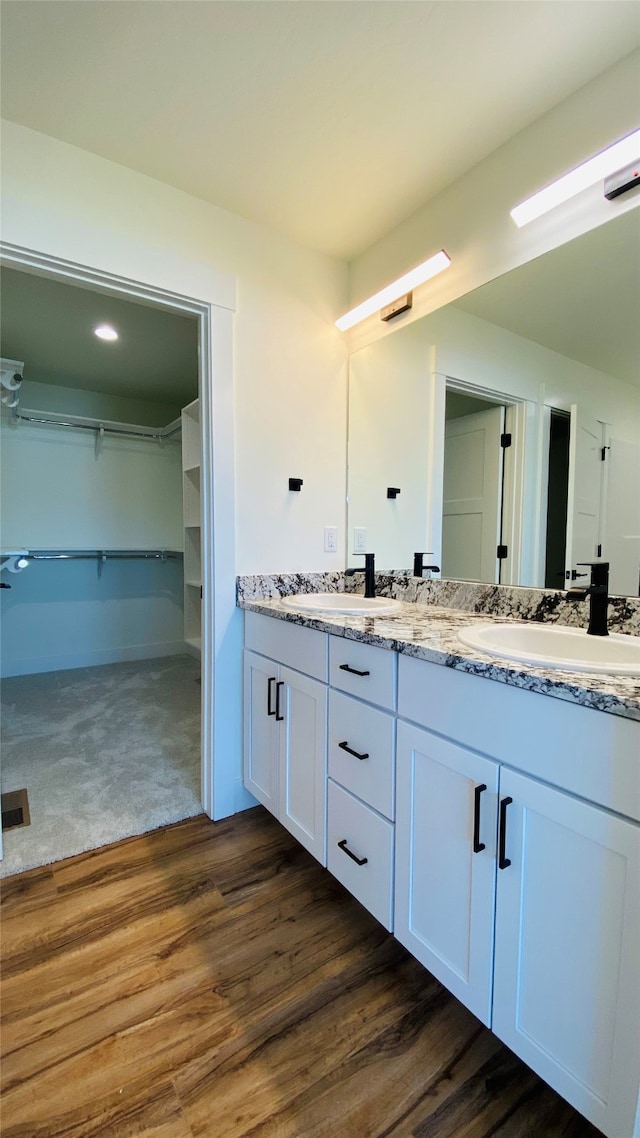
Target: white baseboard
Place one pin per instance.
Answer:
(33, 665)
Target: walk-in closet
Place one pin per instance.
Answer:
(100, 568)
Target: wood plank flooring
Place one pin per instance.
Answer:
(212, 981)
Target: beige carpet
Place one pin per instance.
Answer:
(104, 752)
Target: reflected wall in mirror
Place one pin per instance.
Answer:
(548, 356)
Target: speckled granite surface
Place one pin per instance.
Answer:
(264, 585)
(428, 631)
(547, 605)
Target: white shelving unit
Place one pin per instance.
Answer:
(191, 508)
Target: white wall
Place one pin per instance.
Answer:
(68, 615)
(471, 220)
(56, 493)
(390, 424)
(289, 360)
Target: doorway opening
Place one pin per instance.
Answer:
(102, 545)
(557, 499)
(477, 537)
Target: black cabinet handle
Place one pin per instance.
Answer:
(352, 671)
(503, 861)
(345, 747)
(279, 717)
(358, 860)
(270, 682)
(477, 844)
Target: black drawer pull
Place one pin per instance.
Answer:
(352, 671)
(270, 682)
(503, 861)
(477, 844)
(345, 747)
(279, 717)
(358, 860)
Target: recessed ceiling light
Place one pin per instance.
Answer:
(105, 332)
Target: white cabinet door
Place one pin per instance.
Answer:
(446, 803)
(567, 954)
(303, 763)
(261, 735)
(285, 748)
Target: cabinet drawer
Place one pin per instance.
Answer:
(362, 670)
(304, 649)
(369, 836)
(371, 733)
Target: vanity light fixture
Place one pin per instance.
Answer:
(398, 288)
(105, 332)
(596, 169)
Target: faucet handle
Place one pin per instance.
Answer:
(419, 566)
(599, 572)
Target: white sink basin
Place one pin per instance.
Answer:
(344, 604)
(555, 646)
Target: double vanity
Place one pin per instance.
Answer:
(485, 810)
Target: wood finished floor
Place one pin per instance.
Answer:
(212, 980)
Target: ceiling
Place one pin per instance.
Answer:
(329, 121)
(581, 299)
(49, 326)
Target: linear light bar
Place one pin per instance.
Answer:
(410, 280)
(595, 169)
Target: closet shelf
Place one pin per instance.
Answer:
(100, 426)
(191, 521)
(99, 554)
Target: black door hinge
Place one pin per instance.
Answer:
(502, 552)
(603, 453)
(505, 440)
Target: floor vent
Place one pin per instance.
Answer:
(15, 809)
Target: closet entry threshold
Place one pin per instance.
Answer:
(15, 809)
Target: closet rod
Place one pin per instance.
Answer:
(98, 554)
(159, 436)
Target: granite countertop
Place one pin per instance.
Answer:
(428, 632)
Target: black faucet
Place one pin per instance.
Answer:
(598, 593)
(369, 574)
(419, 567)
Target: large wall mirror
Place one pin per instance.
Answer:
(501, 434)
